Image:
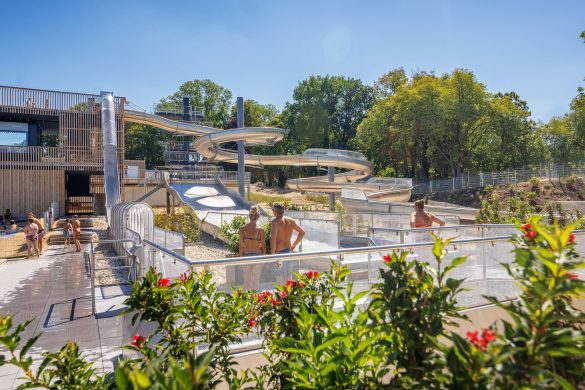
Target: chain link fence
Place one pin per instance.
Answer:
(476, 180)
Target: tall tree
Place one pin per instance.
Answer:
(255, 114)
(212, 97)
(145, 143)
(437, 126)
(326, 110)
(387, 84)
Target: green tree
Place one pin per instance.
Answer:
(255, 114)
(145, 143)
(215, 100)
(326, 110)
(388, 84)
(439, 126)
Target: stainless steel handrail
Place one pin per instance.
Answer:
(462, 227)
(93, 268)
(310, 255)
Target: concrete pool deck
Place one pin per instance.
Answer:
(55, 293)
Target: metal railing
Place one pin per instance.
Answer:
(358, 223)
(204, 175)
(130, 264)
(473, 180)
(408, 235)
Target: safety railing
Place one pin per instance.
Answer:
(130, 263)
(358, 224)
(388, 236)
(319, 233)
(174, 241)
(191, 176)
(483, 271)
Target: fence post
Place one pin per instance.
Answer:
(92, 271)
(453, 183)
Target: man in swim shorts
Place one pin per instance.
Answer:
(281, 231)
(40, 233)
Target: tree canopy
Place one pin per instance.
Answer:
(215, 100)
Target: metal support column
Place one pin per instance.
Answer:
(241, 151)
(331, 177)
(186, 117)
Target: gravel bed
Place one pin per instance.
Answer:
(209, 248)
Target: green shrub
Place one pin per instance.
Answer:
(184, 222)
(231, 231)
(386, 172)
(573, 182)
(534, 182)
(542, 345)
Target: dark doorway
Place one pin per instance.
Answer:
(79, 196)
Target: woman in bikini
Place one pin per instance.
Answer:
(252, 243)
(421, 219)
(31, 234)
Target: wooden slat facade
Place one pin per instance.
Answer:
(31, 177)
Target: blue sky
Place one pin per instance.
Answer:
(261, 49)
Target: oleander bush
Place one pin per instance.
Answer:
(319, 332)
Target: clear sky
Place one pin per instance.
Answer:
(261, 49)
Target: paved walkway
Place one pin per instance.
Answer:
(55, 293)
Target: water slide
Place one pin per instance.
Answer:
(210, 140)
(383, 195)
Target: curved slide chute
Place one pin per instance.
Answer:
(210, 140)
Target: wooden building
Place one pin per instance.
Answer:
(51, 150)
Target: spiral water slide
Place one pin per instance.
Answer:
(210, 141)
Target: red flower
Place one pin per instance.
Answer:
(571, 275)
(183, 278)
(283, 294)
(530, 235)
(274, 302)
(137, 341)
(526, 227)
(164, 282)
(252, 322)
(290, 283)
(487, 336)
(264, 296)
(312, 274)
(387, 258)
(572, 239)
(301, 284)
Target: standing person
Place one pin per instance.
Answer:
(67, 233)
(76, 225)
(281, 231)
(421, 219)
(252, 243)
(31, 235)
(41, 232)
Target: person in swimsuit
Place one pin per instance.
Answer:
(252, 243)
(6, 218)
(31, 234)
(421, 219)
(76, 232)
(67, 233)
(41, 232)
(281, 231)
